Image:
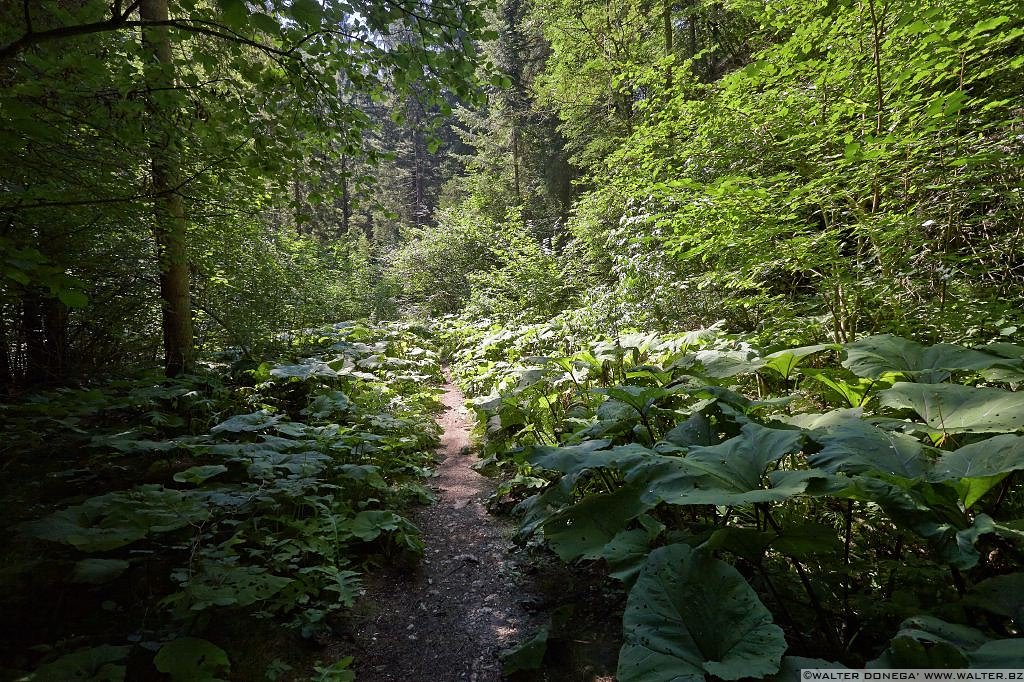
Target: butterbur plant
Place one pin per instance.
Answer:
(755, 534)
(272, 511)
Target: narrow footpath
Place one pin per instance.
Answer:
(450, 619)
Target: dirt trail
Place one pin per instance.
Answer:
(449, 620)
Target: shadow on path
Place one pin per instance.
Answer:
(449, 620)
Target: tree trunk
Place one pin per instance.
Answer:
(55, 332)
(515, 163)
(169, 225)
(302, 225)
(417, 213)
(666, 15)
(35, 338)
(346, 200)
(692, 21)
(6, 380)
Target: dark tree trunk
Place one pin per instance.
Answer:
(55, 335)
(169, 225)
(302, 225)
(35, 338)
(6, 380)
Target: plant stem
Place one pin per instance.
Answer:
(847, 613)
(805, 580)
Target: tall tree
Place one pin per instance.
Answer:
(234, 100)
(169, 224)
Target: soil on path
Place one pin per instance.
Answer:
(449, 619)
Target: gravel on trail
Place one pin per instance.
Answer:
(449, 619)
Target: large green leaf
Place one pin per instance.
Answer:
(244, 423)
(306, 370)
(928, 642)
(990, 457)
(873, 356)
(98, 664)
(640, 398)
(691, 615)
(855, 446)
(198, 474)
(730, 473)
(225, 584)
(814, 420)
(935, 630)
(191, 659)
(1012, 370)
(722, 364)
(118, 519)
(785, 361)
(741, 461)
(953, 408)
(854, 390)
(625, 554)
(1002, 595)
(98, 571)
(999, 654)
(368, 525)
(932, 511)
(696, 430)
(583, 529)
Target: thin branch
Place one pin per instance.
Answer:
(123, 200)
(78, 202)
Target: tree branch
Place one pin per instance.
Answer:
(31, 37)
(119, 21)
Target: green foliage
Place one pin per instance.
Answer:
(690, 615)
(118, 519)
(736, 169)
(698, 469)
(495, 267)
(191, 658)
(266, 128)
(280, 484)
(336, 672)
(528, 654)
(951, 408)
(99, 664)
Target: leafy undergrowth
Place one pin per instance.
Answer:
(855, 505)
(187, 526)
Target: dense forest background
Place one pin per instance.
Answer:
(820, 170)
(735, 289)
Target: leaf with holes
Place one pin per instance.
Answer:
(953, 408)
(191, 659)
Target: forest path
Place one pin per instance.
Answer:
(448, 620)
